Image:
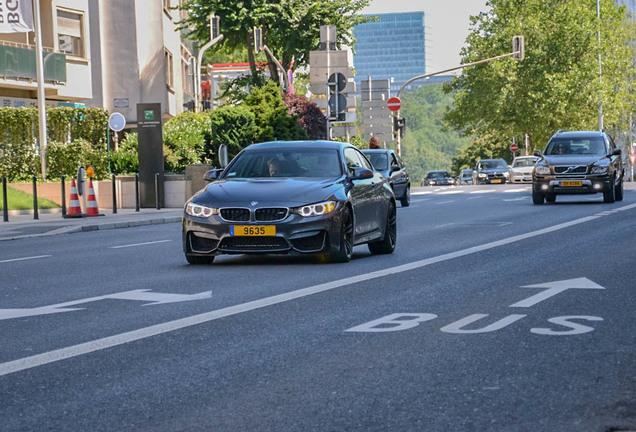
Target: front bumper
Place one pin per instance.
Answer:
(295, 234)
(572, 186)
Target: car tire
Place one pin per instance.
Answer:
(537, 197)
(199, 259)
(387, 244)
(609, 195)
(550, 197)
(345, 252)
(618, 191)
(406, 199)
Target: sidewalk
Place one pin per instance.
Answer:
(21, 224)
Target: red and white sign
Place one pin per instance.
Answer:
(394, 104)
(514, 147)
(632, 158)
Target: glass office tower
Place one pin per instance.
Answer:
(393, 47)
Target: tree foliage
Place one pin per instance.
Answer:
(557, 86)
(291, 28)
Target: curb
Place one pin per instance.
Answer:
(97, 227)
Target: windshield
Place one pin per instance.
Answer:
(380, 161)
(438, 174)
(526, 162)
(288, 162)
(573, 146)
(493, 164)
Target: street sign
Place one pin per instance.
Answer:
(514, 147)
(394, 104)
(632, 158)
(338, 81)
(116, 121)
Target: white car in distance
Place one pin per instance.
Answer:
(521, 170)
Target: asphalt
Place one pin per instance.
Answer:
(22, 224)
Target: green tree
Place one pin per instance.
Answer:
(271, 118)
(291, 28)
(557, 86)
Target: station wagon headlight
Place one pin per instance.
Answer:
(597, 169)
(318, 209)
(542, 170)
(198, 210)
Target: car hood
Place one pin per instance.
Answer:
(572, 159)
(288, 192)
(524, 169)
(493, 170)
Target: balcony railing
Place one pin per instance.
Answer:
(19, 63)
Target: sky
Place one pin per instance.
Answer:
(447, 23)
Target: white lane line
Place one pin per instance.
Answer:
(140, 244)
(25, 258)
(516, 199)
(123, 338)
(445, 202)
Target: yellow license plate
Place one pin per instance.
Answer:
(496, 181)
(253, 230)
(572, 183)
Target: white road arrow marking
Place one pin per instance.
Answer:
(554, 288)
(138, 295)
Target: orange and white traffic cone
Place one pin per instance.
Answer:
(74, 207)
(91, 205)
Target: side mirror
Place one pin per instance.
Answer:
(617, 152)
(394, 168)
(360, 173)
(537, 153)
(212, 174)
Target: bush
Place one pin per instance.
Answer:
(64, 159)
(184, 139)
(231, 125)
(126, 159)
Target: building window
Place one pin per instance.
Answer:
(70, 33)
(169, 69)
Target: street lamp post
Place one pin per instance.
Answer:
(600, 66)
(215, 38)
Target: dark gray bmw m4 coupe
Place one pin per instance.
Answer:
(304, 197)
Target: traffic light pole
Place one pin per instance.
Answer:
(515, 53)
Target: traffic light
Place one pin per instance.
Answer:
(399, 127)
(518, 48)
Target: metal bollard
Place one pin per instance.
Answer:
(63, 195)
(157, 191)
(5, 207)
(35, 198)
(137, 192)
(114, 196)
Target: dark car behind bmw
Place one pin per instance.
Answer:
(491, 171)
(391, 166)
(324, 198)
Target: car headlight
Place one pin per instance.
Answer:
(482, 175)
(318, 209)
(199, 210)
(542, 170)
(506, 174)
(597, 169)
